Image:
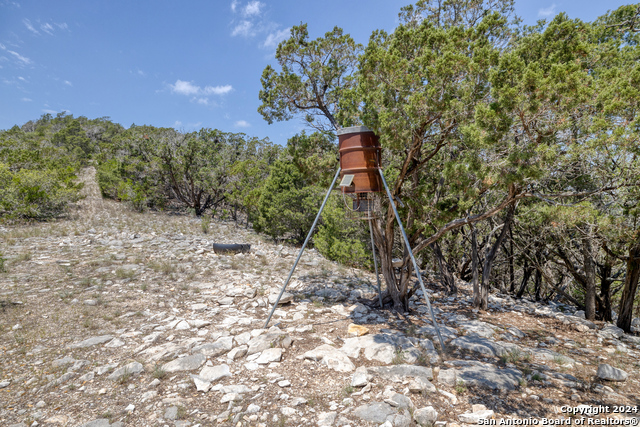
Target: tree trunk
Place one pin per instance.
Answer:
(395, 290)
(526, 274)
(590, 278)
(447, 278)
(604, 309)
(482, 300)
(625, 311)
(474, 267)
(538, 284)
(512, 275)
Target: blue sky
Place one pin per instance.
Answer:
(177, 64)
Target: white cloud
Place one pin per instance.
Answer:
(252, 8)
(217, 90)
(234, 5)
(68, 83)
(22, 78)
(30, 27)
(22, 60)
(273, 39)
(243, 29)
(49, 111)
(27, 99)
(47, 28)
(242, 124)
(549, 11)
(198, 94)
(185, 88)
(177, 124)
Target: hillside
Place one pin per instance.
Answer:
(116, 318)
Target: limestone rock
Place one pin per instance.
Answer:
(608, 372)
(188, 363)
(375, 412)
(269, 355)
(421, 385)
(131, 368)
(475, 417)
(486, 375)
(360, 377)
(214, 373)
(271, 339)
(327, 418)
(215, 349)
(354, 330)
(331, 357)
(425, 416)
(89, 342)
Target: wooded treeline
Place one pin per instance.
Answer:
(514, 151)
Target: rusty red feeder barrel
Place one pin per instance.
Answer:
(360, 154)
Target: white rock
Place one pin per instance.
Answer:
(474, 417)
(201, 384)
(269, 355)
(214, 373)
(183, 325)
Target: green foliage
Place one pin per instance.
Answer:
(341, 239)
(287, 206)
(3, 268)
(316, 76)
(36, 194)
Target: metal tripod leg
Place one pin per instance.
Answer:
(413, 259)
(304, 245)
(375, 263)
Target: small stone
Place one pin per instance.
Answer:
(253, 409)
(608, 372)
(286, 298)
(201, 384)
(130, 408)
(67, 360)
(354, 330)
(188, 363)
(269, 355)
(131, 368)
(214, 373)
(171, 413)
(360, 377)
(116, 342)
(91, 341)
(237, 352)
(286, 411)
(183, 325)
(327, 418)
(473, 418)
(421, 385)
(231, 397)
(284, 383)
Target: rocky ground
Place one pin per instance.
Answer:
(113, 318)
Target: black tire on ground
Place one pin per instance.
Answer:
(235, 248)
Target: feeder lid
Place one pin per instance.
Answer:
(353, 129)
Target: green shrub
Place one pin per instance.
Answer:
(37, 194)
(341, 239)
(287, 206)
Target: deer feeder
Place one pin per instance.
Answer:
(360, 154)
